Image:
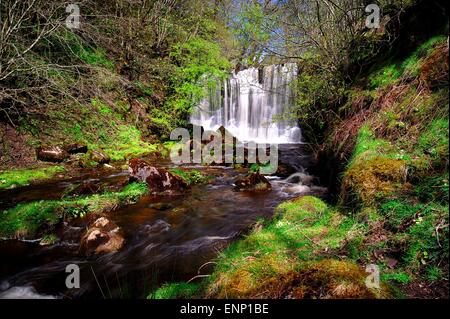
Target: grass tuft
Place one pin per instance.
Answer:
(179, 290)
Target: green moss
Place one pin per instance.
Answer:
(118, 141)
(428, 238)
(127, 144)
(102, 107)
(435, 273)
(180, 290)
(385, 75)
(26, 176)
(101, 126)
(368, 180)
(434, 140)
(398, 277)
(397, 212)
(393, 70)
(367, 146)
(190, 176)
(29, 220)
(302, 231)
(376, 169)
(411, 64)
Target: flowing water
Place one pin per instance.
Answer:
(249, 105)
(168, 238)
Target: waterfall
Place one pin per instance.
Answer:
(248, 102)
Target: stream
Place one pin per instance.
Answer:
(167, 238)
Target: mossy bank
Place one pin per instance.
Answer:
(391, 209)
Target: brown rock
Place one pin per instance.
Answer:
(103, 236)
(158, 179)
(51, 154)
(75, 148)
(254, 182)
(284, 170)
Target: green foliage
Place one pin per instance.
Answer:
(258, 167)
(435, 273)
(144, 88)
(165, 121)
(316, 89)
(411, 64)
(27, 220)
(87, 54)
(179, 290)
(106, 131)
(201, 64)
(252, 31)
(128, 144)
(385, 76)
(23, 177)
(103, 108)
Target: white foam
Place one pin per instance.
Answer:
(23, 292)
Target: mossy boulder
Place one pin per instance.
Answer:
(290, 258)
(326, 279)
(159, 180)
(253, 182)
(366, 180)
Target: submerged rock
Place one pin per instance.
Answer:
(158, 179)
(284, 170)
(160, 206)
(76, 148)
(51, 154)
(87, 188)
(103, 236)
(254, 182)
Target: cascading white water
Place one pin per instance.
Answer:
(248, 102)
